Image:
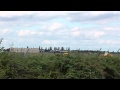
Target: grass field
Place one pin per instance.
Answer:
(56, 66)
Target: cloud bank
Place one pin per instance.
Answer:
(75, 29)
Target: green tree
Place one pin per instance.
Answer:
(68, 48)
(62, 48)
(1, 48)
(50, 48)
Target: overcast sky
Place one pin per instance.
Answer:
(87, 30)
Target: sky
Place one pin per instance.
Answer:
(84, 30)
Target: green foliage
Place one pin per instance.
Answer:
(57, 66)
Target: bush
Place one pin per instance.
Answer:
(47, 66)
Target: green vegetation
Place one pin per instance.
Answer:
(57, 66)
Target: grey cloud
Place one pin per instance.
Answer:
(31, 17)
(80, 17)
(17, 18)
(74, 16)
(8, 18)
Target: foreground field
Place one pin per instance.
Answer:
(57, 66)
